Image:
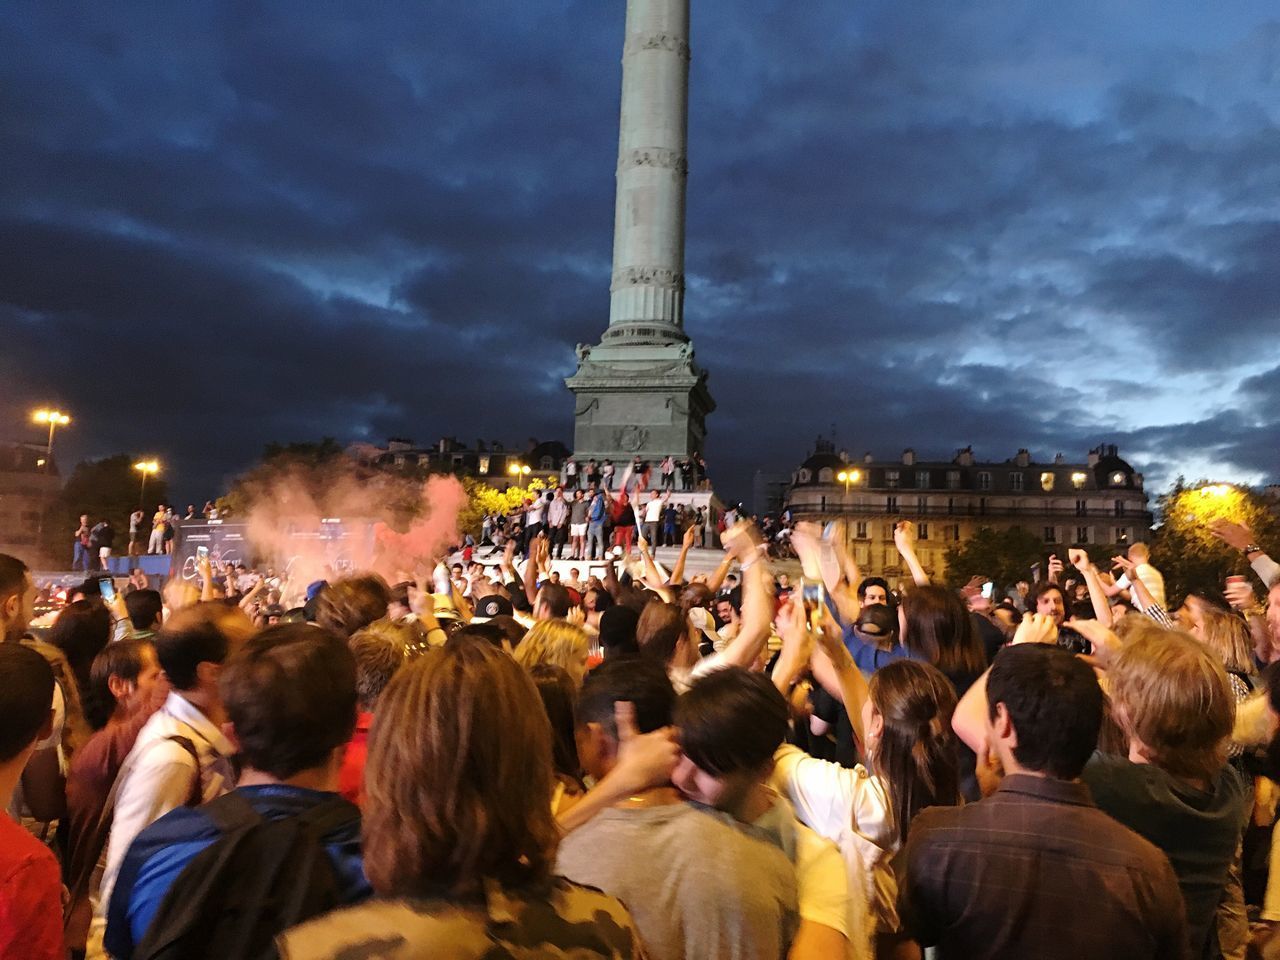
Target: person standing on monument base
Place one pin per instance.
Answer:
(571, 474)
(578, 526)
(558, 522)
(668, 472)
(606, 474)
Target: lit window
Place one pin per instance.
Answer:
(1046, 481)
(1122, 535)
(484, 464)
(1077, 480)
(1117, 479)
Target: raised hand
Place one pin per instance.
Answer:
(1240, 594)
(1105, 643)
(1036, 628)
(645, 760)
(1235, 535)
(1078, 558)
(1054, 569)
(904, 534)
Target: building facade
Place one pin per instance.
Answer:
(1098, 502)
(493, 462)
(27, 486)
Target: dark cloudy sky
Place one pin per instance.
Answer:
(998, 222)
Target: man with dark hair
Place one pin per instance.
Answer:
(146, 611)
(731, 722)
(30, 881)
(696, 885)
(1038, 841)
(181, 756)
(17, 598)
(1047, 598)
(552, 603)
(290, 700)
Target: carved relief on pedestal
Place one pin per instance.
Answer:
(656, 41)
(630, 439)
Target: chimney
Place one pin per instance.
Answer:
(1094, 456)
(908, 457)
(844, 456)
(964, 457)
(1059, 460)
(1023, 459)
(867, 458)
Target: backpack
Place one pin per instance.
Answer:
(259, 878)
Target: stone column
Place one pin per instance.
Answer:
(647, 288)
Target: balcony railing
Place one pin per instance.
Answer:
(911, 511)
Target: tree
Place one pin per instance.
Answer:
(104, 489)
(1187, 554)
(1006, 556)
(485, 499)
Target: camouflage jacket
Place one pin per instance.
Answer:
(569, 922)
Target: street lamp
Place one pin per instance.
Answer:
(847, 477)
(518, 469)
(55, 419)
(145, 467)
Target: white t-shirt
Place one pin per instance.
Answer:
(653, 510)
(849, 807)
(1151, 578)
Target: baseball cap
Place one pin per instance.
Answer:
(494, 606)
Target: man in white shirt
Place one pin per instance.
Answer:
(181, 756)
(653, 516)
(1151, 578)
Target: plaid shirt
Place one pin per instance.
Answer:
(1037, 871)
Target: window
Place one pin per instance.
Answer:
(922, 504)
(888, 531)
(984, 480)
(822, 505)
(825, 475)
(803, 477)
(1122, 535)
(484, 464)
(891, 504)
(952, 533)
(399, 459)
(1046, 481)
(1078, 479)
(1015, 481)
(860, 530)
(922, 531)
(1117, 479)
(1082, 508)
(891, 478)
(982, 505)
(953, 479)
(546, 463)
(1082, 534)
(1119, 508)
(1050, 535)
(951, 504)
(922, 479)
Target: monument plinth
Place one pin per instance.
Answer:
(639, 392)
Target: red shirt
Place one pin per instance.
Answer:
(351, 776)
(30, 897)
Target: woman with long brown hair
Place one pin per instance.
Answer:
(459, 839)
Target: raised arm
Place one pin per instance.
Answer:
(904, 538)
(722, 571)
(1097, 596)
(834, 668)
(757, 601)
(677, 573)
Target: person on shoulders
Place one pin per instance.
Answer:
(1037, 843)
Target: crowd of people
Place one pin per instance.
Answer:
(491, 759)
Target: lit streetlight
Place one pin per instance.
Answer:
(518, 469)
(848, 477)
(146, 468)
(55, 419)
